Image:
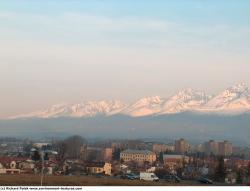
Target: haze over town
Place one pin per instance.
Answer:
(149, 93)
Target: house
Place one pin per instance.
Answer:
(27, 166)
(124, 168)
(237, 162)
(9, 165)
(49, 166)
(99, 167)
(174, 161)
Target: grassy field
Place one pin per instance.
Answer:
(34, 180)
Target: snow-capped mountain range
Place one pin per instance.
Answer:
(233, 100)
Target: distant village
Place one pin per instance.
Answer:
(208, 162)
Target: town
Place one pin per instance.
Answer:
(214, 161)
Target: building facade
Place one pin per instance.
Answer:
(181, 146)
(157, 148)
(138, 156)
(223, 148)
(100, 167)
(211, 147)
(174, 161)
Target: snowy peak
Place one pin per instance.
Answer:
(84, 109)
(240, 87)
(189, 95)
(148, 101)
(92, 108)
(233, 100)
(184, 100)
(57, 110)
(144, 106)
(235, 92)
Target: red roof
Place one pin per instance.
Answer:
(7, 160)
(47, 163)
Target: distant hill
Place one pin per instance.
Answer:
(193, 126)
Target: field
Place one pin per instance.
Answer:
(34, 180)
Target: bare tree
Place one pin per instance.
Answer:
(70, 148)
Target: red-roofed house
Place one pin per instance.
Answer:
(8, 165)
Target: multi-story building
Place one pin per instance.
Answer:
(157, 148)
(197, 148)
(181, 146)
(138, 156)
(218, 148)
(211, 147)
(129, 144)
(225, 148)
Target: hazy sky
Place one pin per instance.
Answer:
(54, 51)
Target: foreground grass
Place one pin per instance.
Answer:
(34, 180)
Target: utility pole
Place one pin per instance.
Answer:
(42, 173)
(41, 154)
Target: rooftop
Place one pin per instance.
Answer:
(134, 151)
(173, 156)
(6, 159)
(95, 164)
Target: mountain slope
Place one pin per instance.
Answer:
(145, 106)
(185, 100)
(85, 109)
(233, 100)
(188, 125)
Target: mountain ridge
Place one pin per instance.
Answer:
(233, 100)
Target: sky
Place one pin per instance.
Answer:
(54, 51)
